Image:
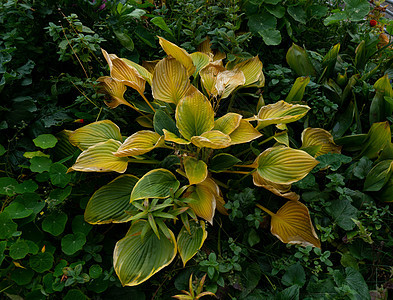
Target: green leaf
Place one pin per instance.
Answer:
(378, 176)
(188, 243)
(55, 223)
(136, 260)
(40, 164)
(72, 243)
(377, 137)
(253, 237)
(356, 10)
(58, 195)
(342, 213)
(95, 271)
(362, 167)
(22, 276)
(277, 10)
(3, 245)
(299, 61)
(2, 150)
(356, 281)
(110, 203)
(162, 121)
(80, 225)
(8, 186)
(222, 162)
(17, 210)
(294, 275)
(332, 160)
(28, 186)
(41, 262)
(45, 141)
(125, 40)
(58, 175)
(196, 170)
(74, 294)
(335, 18)
(155, 184)
(270, 36)
(160, 22)
(297, 91)
(7, 226)
(298, 13)
(19, 249)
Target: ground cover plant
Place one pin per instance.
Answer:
(276, 114)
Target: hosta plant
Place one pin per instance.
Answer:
(184, 116)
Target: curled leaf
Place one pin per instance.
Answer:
(140, 143)
(319, 137)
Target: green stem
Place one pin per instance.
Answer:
(143, 161)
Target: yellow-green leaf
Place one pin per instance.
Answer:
(124, 72)
(145, 121)
(194, 115)
(282, 138)
(212, 139)
(171, 137)
(140, 143)
(377, 137)
(319, 137)
(110, 203)
(209, 76)
(157, 183)
(227, 123)
(170, 81)
(179, 54)
(284, 165)
(188, 243)
(95, 133)
(200, 60)
(204, 201)
(292, 224)
(141, 70)
(196, 170)
(297, 91)
(297, 58)
(100, 158)
(280, 113)
(244, 133)
(281, 190)
(252, 70)
(135, 259)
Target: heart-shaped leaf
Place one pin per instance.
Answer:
(319, 137)
(292, 224)
(135, 259)
(100, 158)
(227, 123)
(188, 243)
(196, 170)
(244, 133)
(200, 60)
(95, 133)
(110, 203)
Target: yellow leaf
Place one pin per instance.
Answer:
(280, 113)
(209, 76)
(228, 81)
(18, 265)
(200, 60)
(284, 165)
(252, 70)
(147, 75)
(227, 123)
(194, 115)
(212, 139)
(282, 138)
(170, 81)
(292, 224)
(171, 137)
(115, 89)
(196, 170)
(100, 158)
(204, 47)
(281, 190)
(244, 133)
(124, 72)
(95, 133)
(319, 137)
(140, 143)
(150, 65)
(179, 54)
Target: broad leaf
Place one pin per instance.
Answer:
(281, 190)
(298, 59)
(155, 184)
(196, 170)
(378, 136)
(95, 133)
(194, 115)
(163, 121)
(212, 139)
(170, 81)
(188, 243)
(135, 259)
(297, 91)
(200, 60)
(179, 54)
(171, 137)
(227, 123)
(222, 162)
(284, 165)
(228, 81)
(110, 203)
(319, 137)
(209, 76)
(115, 89)
(100, 158)
(141, 70)
(252, 70)
(244, 133)
(292, 224)
(378, 176)
(280, 113)
(140, 143)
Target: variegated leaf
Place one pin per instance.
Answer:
(140, 143)
(319, 137)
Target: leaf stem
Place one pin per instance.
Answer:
(266, 210)
(147, 101)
